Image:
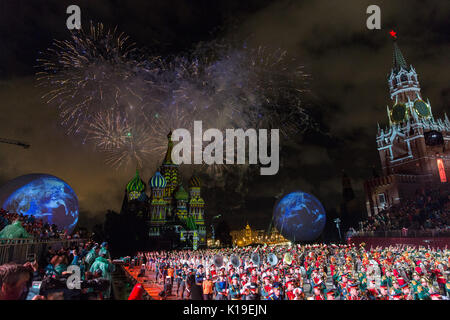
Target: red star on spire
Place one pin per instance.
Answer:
(393, 34)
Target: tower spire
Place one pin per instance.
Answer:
(168, 158)
(398, 60)
(404, 86)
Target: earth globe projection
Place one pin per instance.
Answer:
(43, 196)
(299, 216)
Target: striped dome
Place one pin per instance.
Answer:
(136, 184)
(195, 182)
(181, 194)
(157, 181)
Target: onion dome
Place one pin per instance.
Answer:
(136, 184)
(157, 181)
(195, 182)
(181, 194)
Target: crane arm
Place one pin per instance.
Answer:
(15, 142)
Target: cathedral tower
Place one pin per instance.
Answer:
(181, 197)
(171, 173)
(176, 217)
(158, 205)
(197, 207)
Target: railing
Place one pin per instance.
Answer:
(19, 250)
(405, 233)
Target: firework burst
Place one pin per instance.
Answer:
(125, 101)
(92, 71)
(107, 130)
(134, 148)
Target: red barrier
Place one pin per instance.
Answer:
(386, 242)
(137, 292)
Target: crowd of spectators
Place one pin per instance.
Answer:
(427, 210)
(36, 228)
(47, 277)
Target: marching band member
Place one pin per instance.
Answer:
(299, 294)
(207, 287)
(384, 295)
(330, 294)
(234, 291)
(290, 290)
(396, 290)
(213, 272)
(276, 292)
(267, 287)
(253, 292)
(221, 287)
(317, 292)
(354, 294)
(372, 292)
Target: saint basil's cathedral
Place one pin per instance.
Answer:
(414, 149)
(175, 217)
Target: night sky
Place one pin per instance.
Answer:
(347, 62)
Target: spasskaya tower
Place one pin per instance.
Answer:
(414, 148)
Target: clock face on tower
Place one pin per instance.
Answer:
(422, 108)
(398, 113)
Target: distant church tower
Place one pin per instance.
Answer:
(349, 210)
(414, 148)
(347, 190)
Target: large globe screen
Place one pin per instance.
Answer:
(299, 216)
(43, 196)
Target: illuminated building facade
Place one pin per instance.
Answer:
(169, 209)
(415, 148)
(247, 236)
